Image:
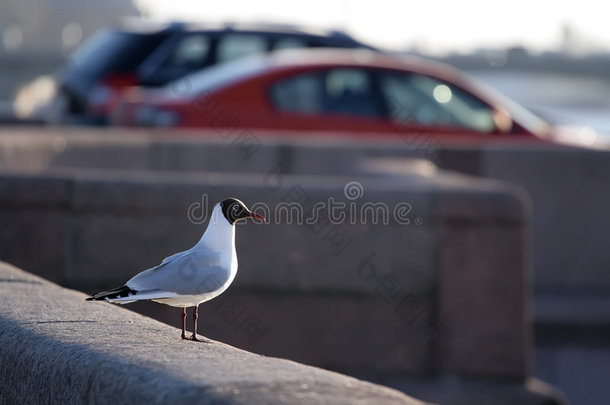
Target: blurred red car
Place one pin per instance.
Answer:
(355, 91)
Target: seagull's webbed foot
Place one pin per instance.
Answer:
(194, 338)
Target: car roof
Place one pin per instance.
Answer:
(314, 58)
(358, 57)
(138, 25)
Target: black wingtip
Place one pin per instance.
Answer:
(123, 291)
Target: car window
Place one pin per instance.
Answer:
(114, 51)
(189, 52)
(289, 43)
(238, 45)
(335, 91)
(433, 102)
(301, 94)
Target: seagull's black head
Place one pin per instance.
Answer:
(234, 210)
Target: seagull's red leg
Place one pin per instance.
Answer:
(183, 323)
(195, 316)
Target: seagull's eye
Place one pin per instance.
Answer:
(235, 208)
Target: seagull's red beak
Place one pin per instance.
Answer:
(255, 215)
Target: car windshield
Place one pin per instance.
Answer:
(523, 116)
(114, 51)
(518, 113)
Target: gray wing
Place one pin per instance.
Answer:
(175, 256)
(189, 273)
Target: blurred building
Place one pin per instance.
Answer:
(37, 35)
(55, 27)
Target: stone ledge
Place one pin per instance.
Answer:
(57, 348)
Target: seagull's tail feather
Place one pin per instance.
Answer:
(116, 294)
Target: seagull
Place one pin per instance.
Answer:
(197, 275)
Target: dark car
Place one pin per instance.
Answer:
(152, 55)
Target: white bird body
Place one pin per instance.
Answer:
(188, 278)
(197, 275)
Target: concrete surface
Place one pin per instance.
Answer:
(448, 295)
(57, 348)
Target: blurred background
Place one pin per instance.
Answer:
(553, 60)
(509, 100)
